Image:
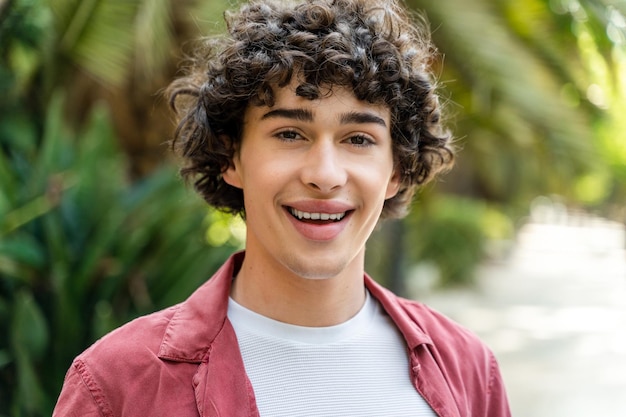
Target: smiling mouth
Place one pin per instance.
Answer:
(321, 217)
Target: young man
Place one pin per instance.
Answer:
(313, 121)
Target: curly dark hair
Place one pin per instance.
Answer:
(374, 48)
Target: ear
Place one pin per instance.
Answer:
(393, 186)
(232, 174)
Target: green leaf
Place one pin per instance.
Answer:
(98, 35)
(29, 330)
(55, 152)
(23, 248)
(153, 37)
(5, 358)
(30, 394)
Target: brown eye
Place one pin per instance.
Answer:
(288, 135)
(360, 140)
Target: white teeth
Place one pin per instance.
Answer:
(317, 216)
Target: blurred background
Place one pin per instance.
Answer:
(523, 241)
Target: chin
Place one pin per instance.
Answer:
(316, 269)
(317, 275)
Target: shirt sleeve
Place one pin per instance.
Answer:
(497, 401)
(81, 395)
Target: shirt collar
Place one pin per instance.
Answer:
(405, 318)
(197, 321)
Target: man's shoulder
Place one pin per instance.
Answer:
(131, 343)
(125, 371)
(419, 323)
(445, 333)
(125, 358)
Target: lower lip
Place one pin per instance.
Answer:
(321, 232)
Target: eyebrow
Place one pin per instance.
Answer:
(362, 117)
(307, 116)
(296, 114)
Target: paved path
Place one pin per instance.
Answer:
(555, 314)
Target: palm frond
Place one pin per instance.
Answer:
(97, 35)
(153, 37)
(509, 90)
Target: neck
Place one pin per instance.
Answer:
(279, 294)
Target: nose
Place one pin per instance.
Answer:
(324, 168)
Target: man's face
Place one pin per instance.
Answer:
(315, 175)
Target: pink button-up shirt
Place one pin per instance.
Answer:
(185, 361)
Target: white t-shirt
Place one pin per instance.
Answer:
(358, 368)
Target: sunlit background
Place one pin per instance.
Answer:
(523, 242)
(554, 312)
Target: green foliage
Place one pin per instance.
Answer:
(82, 251)
(118, 40)
(536, 87)
(453, 234)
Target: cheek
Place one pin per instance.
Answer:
(263, 171)
(376, 182)
(381, 177)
